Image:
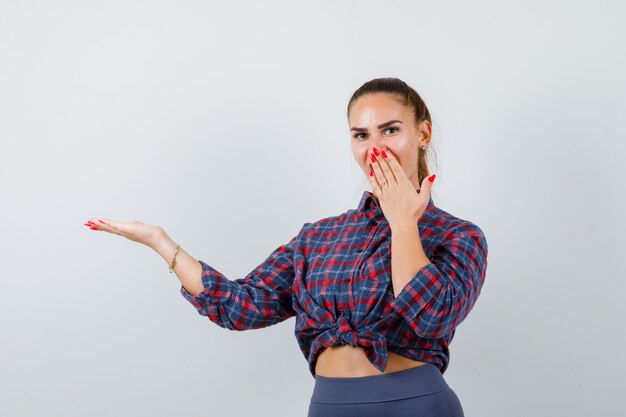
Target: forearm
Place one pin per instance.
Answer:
(407, 255)
(187, 269)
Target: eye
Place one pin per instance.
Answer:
(356, 136)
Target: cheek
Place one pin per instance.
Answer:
(360, 154)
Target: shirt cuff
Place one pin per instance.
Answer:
(208, 282)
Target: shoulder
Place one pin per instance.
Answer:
(330, 222)
(323, 233)
(452, 227)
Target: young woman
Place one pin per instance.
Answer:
(377, 291)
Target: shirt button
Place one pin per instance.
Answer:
(373, 222)
(346, 280)
(359, 250)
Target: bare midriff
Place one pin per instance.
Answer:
(346, 361)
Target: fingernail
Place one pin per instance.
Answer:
(93, 228)
(384, 154)
(101, 221)
(373, 158)
(432, 178)
(371, 172)
(376, 151)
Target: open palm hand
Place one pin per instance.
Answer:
(135, 230)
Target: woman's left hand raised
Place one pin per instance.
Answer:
(398, 199)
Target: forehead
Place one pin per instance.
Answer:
(378, 108)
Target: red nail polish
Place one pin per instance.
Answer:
(376, 152)
(371, 172)
(101, 221)
(373, 158)
(384, 154)
(93, 228)
(432, 178)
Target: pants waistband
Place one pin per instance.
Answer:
(412, 382)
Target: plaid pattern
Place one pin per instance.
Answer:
(334, 277)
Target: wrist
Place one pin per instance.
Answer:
(405, 227)
(163, 244)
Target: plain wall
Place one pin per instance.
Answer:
(225, 123)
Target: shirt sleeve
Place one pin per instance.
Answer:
(442, 293)
(260, 299)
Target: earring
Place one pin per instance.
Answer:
(424, 147)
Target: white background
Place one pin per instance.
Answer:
(225, 123)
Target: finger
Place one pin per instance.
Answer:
(375, 165)
(394, 166)
(91, 226)
(427, 185)
(94, 224)
(375, 183)
(107, 225)
(384, 165)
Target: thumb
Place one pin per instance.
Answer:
(427, 185)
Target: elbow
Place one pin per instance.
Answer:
(440, 323)
(440, 315)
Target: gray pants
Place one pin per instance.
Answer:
(414, 392)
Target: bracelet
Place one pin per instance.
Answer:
(173, 261)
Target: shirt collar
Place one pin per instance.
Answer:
(368, 201)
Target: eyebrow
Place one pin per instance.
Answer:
(380, 126)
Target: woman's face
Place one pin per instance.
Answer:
(378, 120)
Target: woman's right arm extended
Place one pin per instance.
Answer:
(260, 299)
